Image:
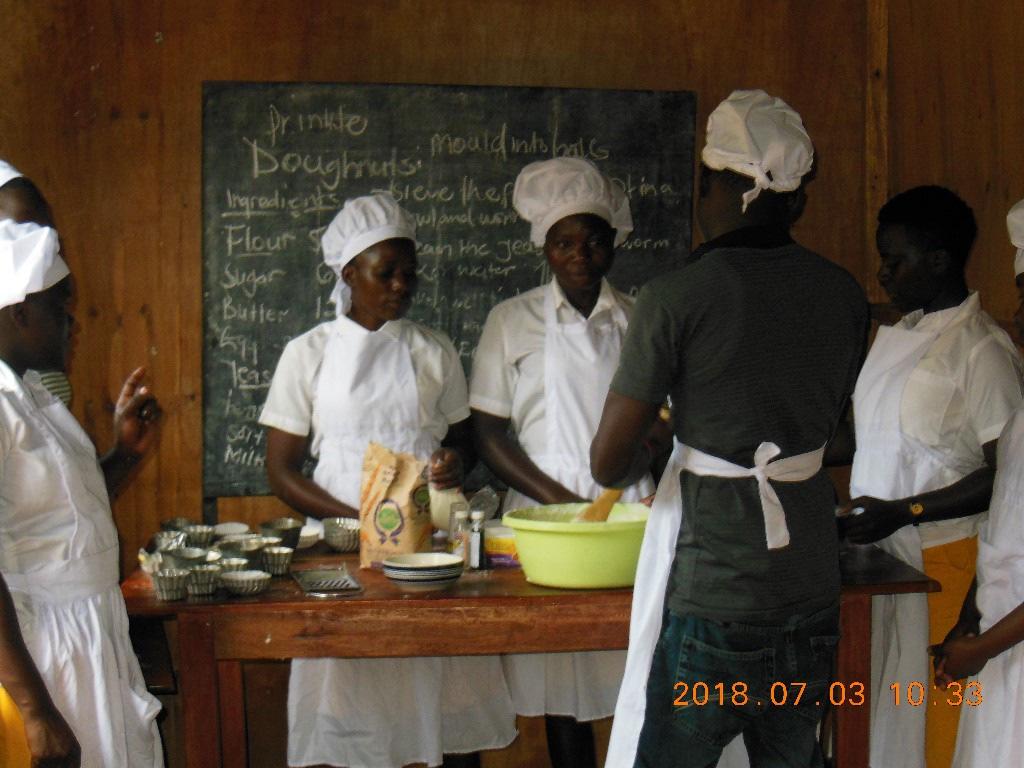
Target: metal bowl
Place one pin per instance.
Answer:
(342, 533)
(203, 579)
(175, 524)
(229, 564)
(184, 557)
(277, 559)
(287, 529)
(199, 535)
(170, 583)
(245, 582)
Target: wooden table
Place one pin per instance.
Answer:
(486, 612)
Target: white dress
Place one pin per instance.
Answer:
(59, 557)
(398, 386)
(580, 356)
(992, 734)
(900, 454)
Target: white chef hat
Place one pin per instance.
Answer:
(30, 260)
(549, 190)
(7, 172)
(759, 136)
(1015, 225)
(361, 223)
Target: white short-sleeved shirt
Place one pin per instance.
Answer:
(440, 380)
(508, 366)
(961, 394)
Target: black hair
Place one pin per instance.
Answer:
(25, 196)
(935, 218)
(783, 208)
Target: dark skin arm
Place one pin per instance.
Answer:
(510, 463)
(136, 416)
(967, 625)
(881, 518)
(840, 449)
(966, 654)
(286, 454)
(629, 436)
(50, 740)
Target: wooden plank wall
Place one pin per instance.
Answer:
(956, 118)
(101, 105)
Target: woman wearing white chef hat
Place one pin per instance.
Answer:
(369, 375)
(65, 654)
(987, 644)
(542, 367)
(21, 200)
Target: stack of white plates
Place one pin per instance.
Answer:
(423, 571)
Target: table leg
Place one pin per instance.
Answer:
(198, 681)
(234, 735)
(853, 669)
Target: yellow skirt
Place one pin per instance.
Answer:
(13, 747)
(952, 565)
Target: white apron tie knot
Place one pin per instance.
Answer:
(792, 469)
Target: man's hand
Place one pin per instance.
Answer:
(879, 519)
(135, 417)
(958, 658)
(445, 468)
(50, 740)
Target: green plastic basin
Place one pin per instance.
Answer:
(556, 552)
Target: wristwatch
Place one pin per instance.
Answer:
(916, 510)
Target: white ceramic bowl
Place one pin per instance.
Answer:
(245, 582)
(423, 571)
(431, 585)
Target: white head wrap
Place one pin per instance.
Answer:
(1015, 225)
(549, 190)
(361, 223)
(759, 136)
(30, 261)
(8, 172)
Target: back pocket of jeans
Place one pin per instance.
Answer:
(718, 691)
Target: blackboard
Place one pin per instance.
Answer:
(280, 159)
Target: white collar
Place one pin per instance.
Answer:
(347, 327)
(29, 384)
(9, 380)
(605, 300)
(940, 320)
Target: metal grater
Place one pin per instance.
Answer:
(327, 582)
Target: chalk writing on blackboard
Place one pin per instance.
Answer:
(280, 159)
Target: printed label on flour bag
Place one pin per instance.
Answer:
(394, 506)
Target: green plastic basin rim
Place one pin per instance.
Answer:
(624, 516)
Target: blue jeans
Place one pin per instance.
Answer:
(713, 680)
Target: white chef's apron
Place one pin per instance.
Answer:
(657, 554)
(993, 734)
(70, 609)
(384, 713)
(580, 359)
(890, 464)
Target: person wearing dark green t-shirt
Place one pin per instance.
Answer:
(756, 342)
